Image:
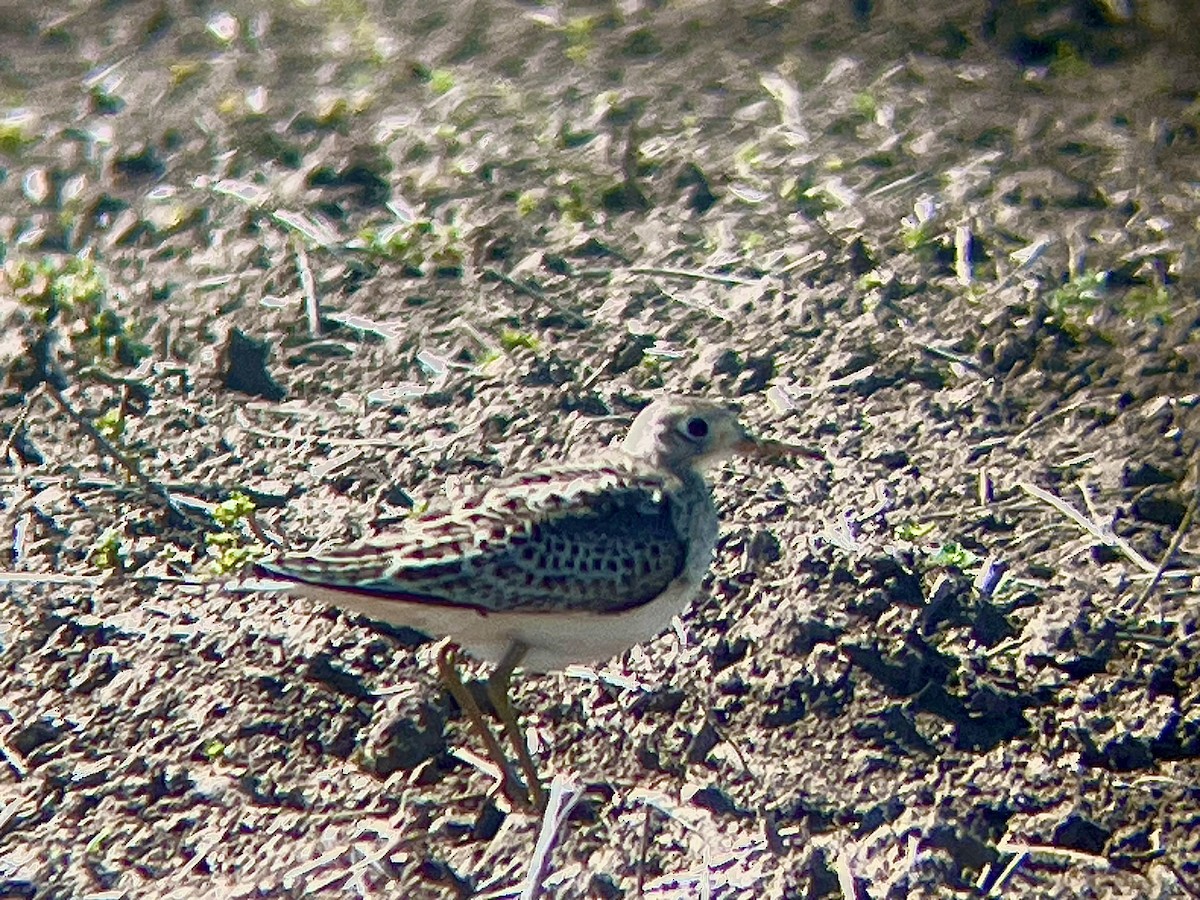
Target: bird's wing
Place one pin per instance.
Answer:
(602, 540)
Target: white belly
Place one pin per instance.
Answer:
(555, 640)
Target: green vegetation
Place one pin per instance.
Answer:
(933, 554)
(416, 244)
(96, 844)
(865, 105)
(108, 553)
(72, 292)
(230, 547)
(511, 339)
(952, 555)
(1078, 298)
(215, 749)
(573, 205)
(916, 234)
(1147, 301)
(810, 196)
(441, 81)
(229, 512)
(1074, 304)
(915, 531)
(578, 32)
(111, 423)
(15, 136)
(1067, 61)
(527, 203)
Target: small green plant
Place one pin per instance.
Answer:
(511, 339)
(952, 555)
(527, 204)
(870, 281)
(748, 158)
(578, 32)
(810, 196)
(935, 554)
(15, 136)
(184, 71)
(1078, 298)
(229, 512)
(915, 531)
(416, 243)
(214, 749)
(916, 235)
(73, 292)
(111, 423)
(96, 844)
(752, 242)
(918, 231)
(573, 205)
(488, 356)
(1067, 61)
(230, 548)
(104, 100)
(108, 553)
(1147, 301)
(865, 105)
(441, 81)
(1074, 303)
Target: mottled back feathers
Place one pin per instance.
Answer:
(605, 538)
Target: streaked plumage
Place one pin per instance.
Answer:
(572, 537)
(566, 564)
(577, 562)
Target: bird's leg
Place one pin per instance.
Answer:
(497, 688)
(447, 659)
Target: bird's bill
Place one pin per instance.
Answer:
(765, 449)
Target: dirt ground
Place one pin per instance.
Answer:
(347, 258)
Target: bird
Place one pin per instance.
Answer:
(563, 564)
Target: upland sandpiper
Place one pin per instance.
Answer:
(567, 564)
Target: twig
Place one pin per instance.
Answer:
(96, 580)
(1190, 889)
(1087, 501)
(108, 447)
(1078, 856)
(260, 534)
(1056, 413)
(897, 184)
(534, 292)
(845, 875)
(1104, 535)
(941, 352)
(816, 256)
(312, 306)
(319, 439)
(1184, 524)
(20, 423)
(519, 286)
(643, 852)
(564, 794)
(694, 275)
(1007, 873)
(710, 717)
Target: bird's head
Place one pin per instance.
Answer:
(682, 433)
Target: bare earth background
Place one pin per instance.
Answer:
(347, 257)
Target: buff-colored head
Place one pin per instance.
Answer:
(682, 433)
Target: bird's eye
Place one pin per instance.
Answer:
(696, 428)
